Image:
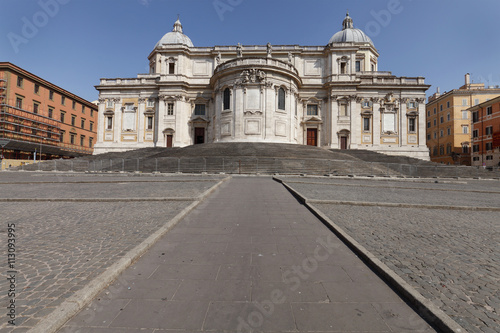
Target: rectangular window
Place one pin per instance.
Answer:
(51, 95)
(91, 142)
(441, 150)
(73, 105)
(82, 140)
(465, 129)
(476, 101)
(35, 107)
(358, 66)
(465, 149)
(435, 151)
(475, 133)
(63, 100)
(448, 149)
(170, 109)
(448, 117)
(366, 124)
(91, 126)
(447, 104)
(441, 120)
(489, 130)
(489, 157)
(435, 122)
(199, 109)
(488, 146)
(428, 113)
(475, 117)
(464, 102)
(489, 110)
(150, 123)
(171, 68)
(20, 82)
(441, 133)
(435, 135)
(109, 124)
(62, 117)
(72, 139)
(312, 110)
(37, 89)
(83, 123)
(51, 112)
(19, 102)
(428, 137)
(61, 136)
(151, 103)
(475, 148)
(448, 131)
(73, 120)
(476, 158)
(465, 115)
(428, 124)
(109, 103)
(91, 113)
(412, 125)
(441, 107)
(434, 110)
(83, 109)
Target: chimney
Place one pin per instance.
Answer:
(467, 79)
(438, 91)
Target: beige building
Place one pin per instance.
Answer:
(331, 96)
(448, 121)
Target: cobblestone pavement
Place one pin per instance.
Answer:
(61, 246)
(451, 257)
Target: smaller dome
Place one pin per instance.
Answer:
(176, 36)
(349, 34)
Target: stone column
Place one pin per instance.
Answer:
(117, 124)
(403, 140)
(376, 122)
(239, 97)
(159, 138)
(181, 137)
(101, 120)
(421, 129)
(141, 120)
(355, 115)
(334, 114)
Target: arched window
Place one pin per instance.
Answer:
(281, 99)
(227, 99)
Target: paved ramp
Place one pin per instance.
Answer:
(248, 259)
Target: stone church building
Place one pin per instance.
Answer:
(329, 96)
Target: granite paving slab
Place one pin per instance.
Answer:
(244, 276)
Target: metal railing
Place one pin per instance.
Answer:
(261, 165)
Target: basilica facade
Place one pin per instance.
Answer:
(330, 96)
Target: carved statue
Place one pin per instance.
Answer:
(269, 50)
(239, 50)
(290, 57)
(218, 59)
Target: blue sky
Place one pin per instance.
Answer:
(77, 42)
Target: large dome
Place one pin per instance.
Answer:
(349, 34)
(175, 37)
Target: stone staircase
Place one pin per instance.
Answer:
(261, 158)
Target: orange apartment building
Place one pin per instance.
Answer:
(448, 121)
(39, 120)
(486, 134)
